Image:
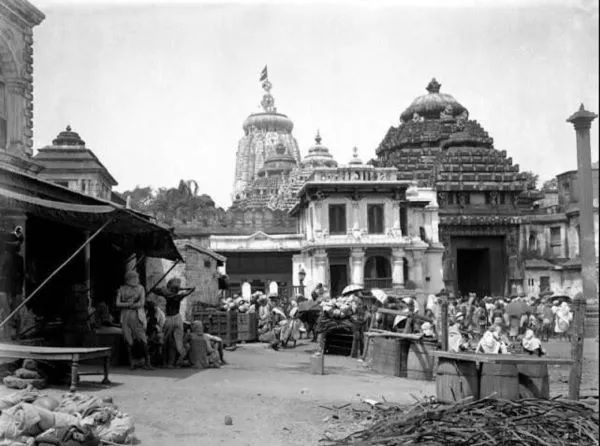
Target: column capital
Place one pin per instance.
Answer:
(357, 253)
(320, 255)
(582, 118)
(398, 253)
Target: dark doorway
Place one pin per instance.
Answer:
(339, 279)
(474, 275)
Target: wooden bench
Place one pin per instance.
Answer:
(479, 375)
(19, 351)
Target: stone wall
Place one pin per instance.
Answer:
(199, 271)
(17, 19)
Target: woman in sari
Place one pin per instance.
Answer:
(130, 300)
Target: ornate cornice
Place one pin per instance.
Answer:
(479, 220)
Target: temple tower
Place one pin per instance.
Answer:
(267, 136)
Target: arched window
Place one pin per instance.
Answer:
(532, 242)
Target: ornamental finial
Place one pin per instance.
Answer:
(68, 128)
(434, 86)
(318, 137)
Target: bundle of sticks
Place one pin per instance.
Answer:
(526, 422)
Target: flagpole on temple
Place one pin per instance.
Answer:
(582, 121)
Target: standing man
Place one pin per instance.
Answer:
(358, 326)
(130, 300)
(173, 331)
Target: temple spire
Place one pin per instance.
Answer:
(268, 102)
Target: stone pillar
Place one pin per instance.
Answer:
(320, 267)
(415, 263)
(582, 121)
(355, 224)
(395, 217)
(16, 104)
(357, 266)
(398, 267)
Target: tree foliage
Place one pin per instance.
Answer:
(550, 185)
(532, 179)
(181, 203)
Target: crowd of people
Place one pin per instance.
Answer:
(154, 329)
(498, 325)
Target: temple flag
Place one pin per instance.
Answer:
(264, 74)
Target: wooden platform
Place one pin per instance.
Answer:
(509, 369)
(20, 351)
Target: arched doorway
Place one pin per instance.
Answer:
(378, 272)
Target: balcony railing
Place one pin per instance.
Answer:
(358, 173)
(381, 282)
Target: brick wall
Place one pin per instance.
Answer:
(199, 272)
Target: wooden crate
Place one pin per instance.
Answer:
(219, 323)
(389, 356)
(247, 327)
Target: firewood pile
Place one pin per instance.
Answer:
(486, 422)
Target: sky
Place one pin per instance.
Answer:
(159, 90)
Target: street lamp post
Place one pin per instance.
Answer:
(301, 277)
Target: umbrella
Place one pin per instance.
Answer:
(379, 295)
(351, 289)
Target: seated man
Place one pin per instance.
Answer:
(214, 345)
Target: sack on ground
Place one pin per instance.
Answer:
(27, 395)
(117, 430)
(68, 436)
(73, 403)
(30, 364)
(13, 382)
(27, 374)
(29, 418)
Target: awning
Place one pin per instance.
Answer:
(132, 229)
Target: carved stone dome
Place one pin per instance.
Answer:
(269, 122)
(355, 161)
(318, 155)
(433, 104)
(68, 138)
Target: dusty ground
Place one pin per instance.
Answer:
(271, 396)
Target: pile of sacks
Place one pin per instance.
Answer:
(241, 304)
(27, 375)
(31, 418)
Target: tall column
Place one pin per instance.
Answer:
(320, 267)
(415, 271)
(582, 121)
(355, 224)
(397, 267)
(357, 266)
(16, 104)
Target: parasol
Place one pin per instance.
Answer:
(351, 289)
(379, 295)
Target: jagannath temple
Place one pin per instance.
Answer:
(472, 210)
